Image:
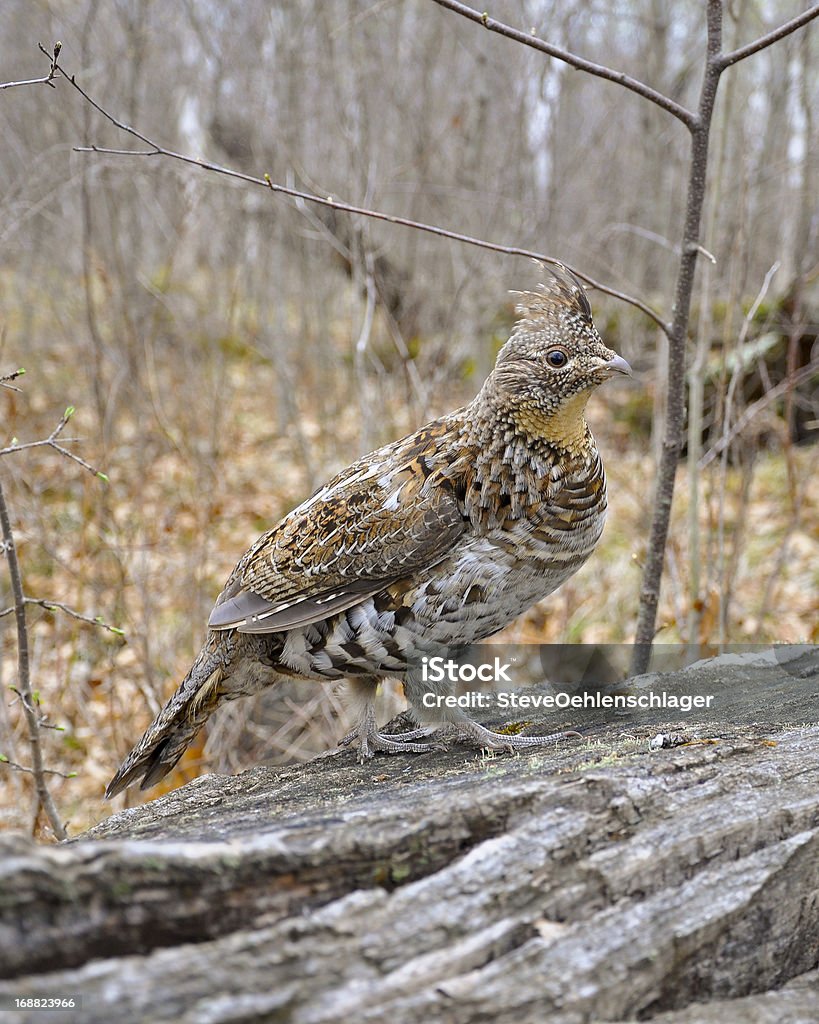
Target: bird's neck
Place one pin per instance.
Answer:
(566, 428)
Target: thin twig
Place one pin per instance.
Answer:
(641, 232)
(756, 408)
(361, 347)
(738, 365)
(727, 59)
(43, 721)
(266, 182)
(51, 606)
(30, 771)
(44, 798)
(51, 442)
(725, 575)
(7, 377)
(688, 118)
(46, 79)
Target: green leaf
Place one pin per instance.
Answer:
(4, 759)
(69, 412)
(103, 477)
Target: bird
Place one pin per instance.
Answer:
(430, 543)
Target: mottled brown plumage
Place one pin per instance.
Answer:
(436, 540)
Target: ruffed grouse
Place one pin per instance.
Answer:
(434, 541)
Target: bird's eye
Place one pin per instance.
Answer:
(556, 357)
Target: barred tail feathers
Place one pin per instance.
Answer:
(170, 734)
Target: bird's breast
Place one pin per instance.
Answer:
(517, 553)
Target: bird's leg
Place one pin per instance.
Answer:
(370, 740)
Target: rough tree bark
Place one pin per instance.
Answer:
(598, 881)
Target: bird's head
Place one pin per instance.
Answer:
(553, 360)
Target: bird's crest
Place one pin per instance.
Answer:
(558, 295)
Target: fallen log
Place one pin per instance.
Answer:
(662, 869)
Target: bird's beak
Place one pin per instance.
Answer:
(617, 365)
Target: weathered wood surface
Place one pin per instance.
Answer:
(596, 881)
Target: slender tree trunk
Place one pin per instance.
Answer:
(675, 411)
(44, 798)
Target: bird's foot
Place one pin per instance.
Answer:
(477, 735)
(371, 741)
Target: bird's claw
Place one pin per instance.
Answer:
(372, 742)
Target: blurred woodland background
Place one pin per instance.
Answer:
(227, 349)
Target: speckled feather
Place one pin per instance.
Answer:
(438, 539)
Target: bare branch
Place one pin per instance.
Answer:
(641, 232)
(51, 442)
(156, 151)
(51, 606)
(790, 382)
(35, 722)
(652, 314)
(307, 197)
(754, 309)
(30, 771)
(38, 769)
(688, 118)
(48, 443)
(725, 60)
(7, 377)
(46, 79)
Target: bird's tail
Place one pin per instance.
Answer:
(167, 738)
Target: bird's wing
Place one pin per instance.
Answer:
(384, 517)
